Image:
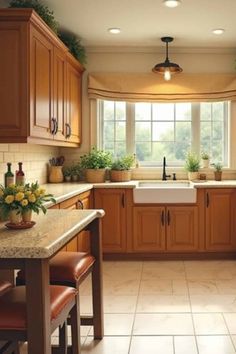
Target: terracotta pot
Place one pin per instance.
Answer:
(218, 175)
(67, 178)
(95, 176)
(205, 163)
(56, 175)
(120, 176)
(27, 216)
(15, 217)
(192, 176)
(75, 178)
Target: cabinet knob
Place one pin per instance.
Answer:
(80, 204)
(68, 130)
(207, 200)
(53, 126)
(162, 218)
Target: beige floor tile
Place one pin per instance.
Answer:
(230, 319)
(108, 345)
(151, 345)
(163, 303)
(213, 303)
(117, 325)
(121, 287)
(86, 287)
(180, 287)
(86, 305)
(156, 286)
(215, 345)
(120, 304)
(163, 269)
(233, 337)
(198, 287)
(226, 287)
(202, 270)
(185, 345)
(209, 324)
(163, 324)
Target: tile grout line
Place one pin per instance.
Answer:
(229, 331)
(135, 310)
(191, 310)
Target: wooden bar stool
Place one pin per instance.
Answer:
(13, 318)
(71, 269)
(4, 286)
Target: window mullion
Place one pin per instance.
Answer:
(130, 128)
(196, 141)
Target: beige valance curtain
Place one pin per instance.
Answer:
(151, 87)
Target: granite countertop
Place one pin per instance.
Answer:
(51, 232)
(215, 184)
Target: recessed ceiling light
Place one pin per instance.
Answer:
(172, 3)
(114, 30)
(218, 31)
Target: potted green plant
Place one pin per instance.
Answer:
(205, 159)
(192, 165)
(218, 171)
(120, 169)
(75, 172)
(94, 164)
(67, 173)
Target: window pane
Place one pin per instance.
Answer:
(120, 111)
(205, 131)
(143, 151)
(120, 149)
(217, 130)
(163, 111)
(183, 131)
(120, 131)
(108, 110)
(218, 111)
(142, 111)
(163, 131)
(181, 150)
(108, 131)
(143, 131)
(205, 111)
(163, 149)
(109, 146)
(217, 151)
(183, 111)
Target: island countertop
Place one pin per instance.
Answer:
(51, 232)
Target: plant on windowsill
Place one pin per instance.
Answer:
(192, 165)
(120, 169)
(75, 172)
(94, 165)
(205, 159)
(218, 171)
(67, 173)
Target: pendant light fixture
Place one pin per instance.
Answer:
(167, 68)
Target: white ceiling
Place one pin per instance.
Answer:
(143, 22)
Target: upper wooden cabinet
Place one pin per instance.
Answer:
(220, 219)
(40, 86)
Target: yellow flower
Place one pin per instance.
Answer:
(1, 192)
(19, 196)
(27, 193)
(37, 192)
(42, 191)
(9, 199)
(24, 202)
(20, 188)
(32, 198)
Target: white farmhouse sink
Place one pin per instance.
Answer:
(165, 192)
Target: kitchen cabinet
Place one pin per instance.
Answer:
(114, 223)
(40, 91)
(220, 211)
(165, 228)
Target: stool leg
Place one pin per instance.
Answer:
(75, 328)
(97, 303)
(63, 338)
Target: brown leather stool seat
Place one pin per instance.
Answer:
(5, 286)
(13, 316)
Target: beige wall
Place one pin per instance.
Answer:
(142, 60)
(34, 157)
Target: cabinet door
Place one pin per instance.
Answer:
(149, 229)
(73, 113)
(220, 220)
(84, 202)
(182, 228)
(41, 88)
(59, 93)
(114, 221)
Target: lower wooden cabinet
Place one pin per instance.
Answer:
(165, 228)
(113, 201)
(220, 213)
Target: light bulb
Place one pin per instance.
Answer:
(167, 75)
(171, 3)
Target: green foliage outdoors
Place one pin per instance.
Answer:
(74, 45)
(96, 159)
(42, 10)
(123, 163)
(192, 162)
(218, 166)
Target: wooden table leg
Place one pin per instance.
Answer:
(38, 306)
(96, 250)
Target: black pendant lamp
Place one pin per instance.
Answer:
(167, 68)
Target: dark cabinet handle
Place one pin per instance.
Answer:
(207, 200)
(168, 217)
(53, 126)
(80, 204)
(56, 127)
(123, 200)
(162, 218)
(68, 130)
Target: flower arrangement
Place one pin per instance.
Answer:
(22, 199)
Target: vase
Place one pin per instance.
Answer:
(55, 174)
(192, 176)
(205, 163)
(95, 175)
(27, 216)
(15, 216)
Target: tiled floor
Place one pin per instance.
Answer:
(171, 307)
